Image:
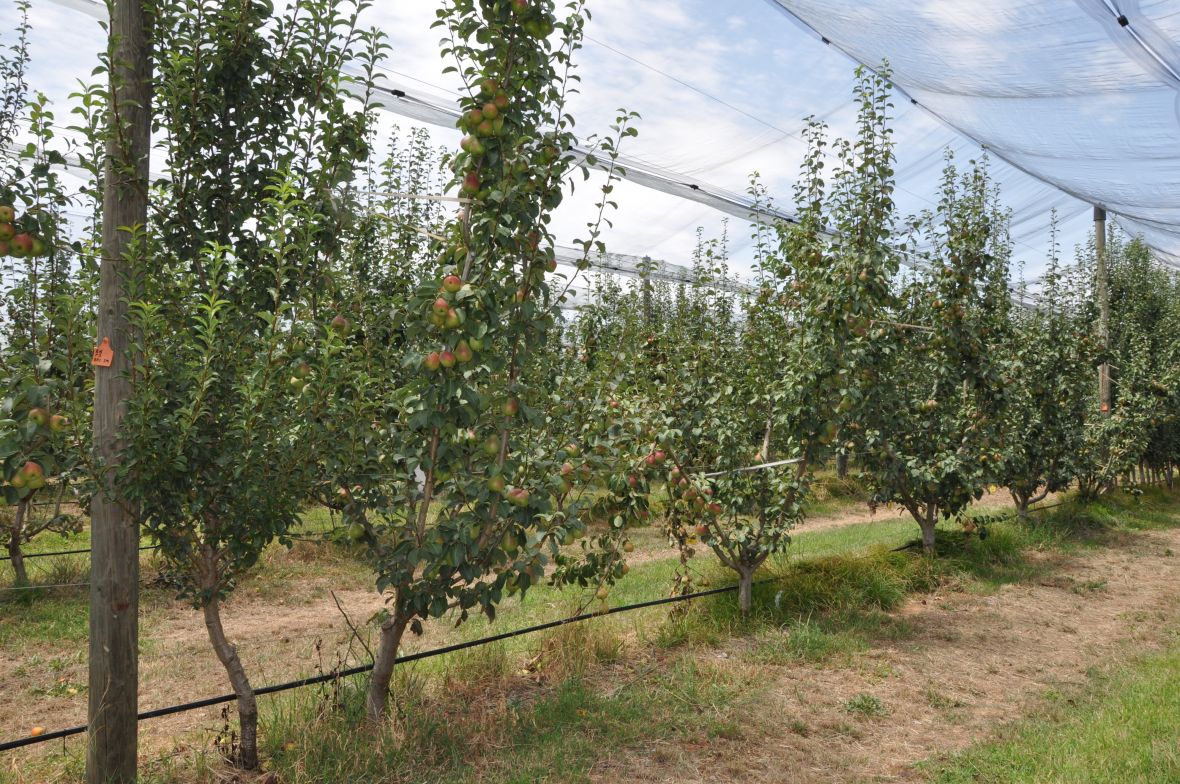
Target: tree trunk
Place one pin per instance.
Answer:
(391, 639)
(927, 525)
(16, 557)
(842, 465)
(745, 588)
(247, 704)
(1168, 471)
(1022, 502)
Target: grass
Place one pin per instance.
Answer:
(1120, 729)
(498, 735)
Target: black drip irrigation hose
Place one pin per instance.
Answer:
(312, 681)
(69, 552)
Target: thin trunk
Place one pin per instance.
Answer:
(247, 704)
(745, 588)
(842, 465)
(16, 557)
(766, 439)
(391, 639)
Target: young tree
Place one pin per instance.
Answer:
(931, 442)
(1143, 355)
(443, 475)
(235, 360)
(43, 298)
(1052, 356)
(800, 369)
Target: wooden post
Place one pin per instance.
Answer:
(114, 575)
(1102, 284)
(646, 284)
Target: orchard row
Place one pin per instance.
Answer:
(293, 344)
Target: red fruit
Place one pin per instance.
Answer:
(432, 361)
(633, 481)
(471, 182)
(39, 247)
(491, 111)
(22, 244)
(7, 231)
(613, 404)
(58, 423)
(7, 213)
(700, 530)
(501, 100)
(496, 484)
(446, 359)
(520, 6)
(489, 86)
(463, 352)
(474, 117)
(487, 128)
(341, 324)
(451, 320)
(511, 407)
(34, 475)
(567, 469)
(521, 295)
(715, 508)
(660, 456)
(440, 307)
(518, 496)
(452, 283)
(39, 415)
(4, 248)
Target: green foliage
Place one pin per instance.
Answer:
(931, 444)
(44, 300)
(1050, 377)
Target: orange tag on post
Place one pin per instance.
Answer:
(103, 355)
(1105, 407)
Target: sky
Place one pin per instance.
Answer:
(722, 89)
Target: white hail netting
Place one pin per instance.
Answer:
(723, 89)
(1084, 94)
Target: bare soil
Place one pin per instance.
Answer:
(969, 664)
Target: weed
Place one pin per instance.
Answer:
(866, 705)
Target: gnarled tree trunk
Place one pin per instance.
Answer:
(392, 631)
(745, 588)
(927, 523)
(247, 704)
